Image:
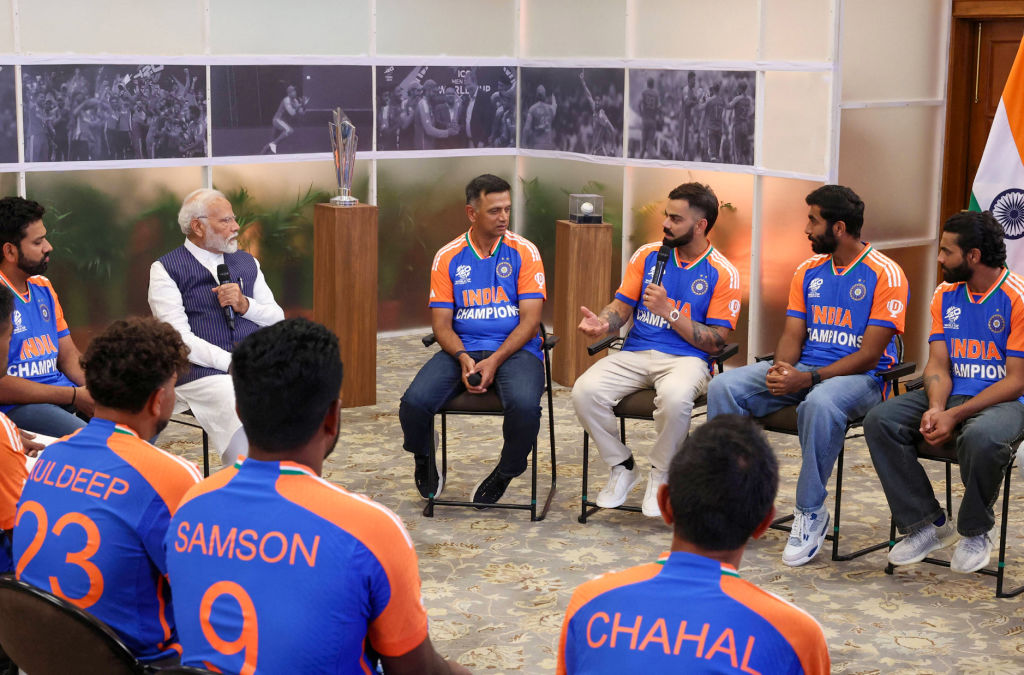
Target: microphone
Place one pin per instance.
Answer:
(224, 278)
(474, 379)
(659, 266)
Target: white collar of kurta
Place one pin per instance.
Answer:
(206, 258)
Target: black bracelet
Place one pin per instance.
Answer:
(461, 351)
(74, 395)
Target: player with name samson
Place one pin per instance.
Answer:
(846, 305)
(973, 383)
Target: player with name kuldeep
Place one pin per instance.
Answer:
(677, 324)
(487, 290)
(690, 612)
(275, 570)
(44, 384)
(974, 383)
(846, 305)
(96, 507)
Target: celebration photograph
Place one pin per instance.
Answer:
(573, 110)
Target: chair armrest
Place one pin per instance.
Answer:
(428, 340)
(770, 356)
(602, 345)
(728, 351)
(914, 384)
(550, 341)
(898, 371)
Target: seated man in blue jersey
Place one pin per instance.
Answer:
(43, 389)
(690, 611)
(13, 469)
(264, 548)
(846, 305)
(677, 323)
(486, 294)
(95, 509)
(973, 384)
(185, 292)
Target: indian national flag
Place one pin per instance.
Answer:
(999, 185)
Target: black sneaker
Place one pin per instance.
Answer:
(422, 475)
(490, 489)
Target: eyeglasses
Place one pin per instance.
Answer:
(223, 221)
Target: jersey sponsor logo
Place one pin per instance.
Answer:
(539, 278)
(77, 479)
(894, 307)
(996, 323)
(699, 286)
(833, 316)
(837, 337)
(814, 287)
(858, 292)
(462, 274)
(734, 307)
(969, 348)
(503, 269)
(19, 327)
(33, 368)
(952, 317)
(643, 633)
(484, 313)
(484, 296)
(246, 545)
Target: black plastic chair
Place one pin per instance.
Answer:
(489, 404)
(46, 635)
(946, 453)
(638, 405)
(188, 419)
(183, 670)
(784, 421)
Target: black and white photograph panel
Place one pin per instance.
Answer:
(272, 110)
(8, 117)
(445, 107)
(92, 112)
(573, 110)
(692, 115)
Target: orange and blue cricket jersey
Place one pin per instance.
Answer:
(37, 324)
(980, 330)
(484, 288)
(839, 303)
(12, 480)
(706, 289)
(686, 613)
(275, 570)
(90, 529)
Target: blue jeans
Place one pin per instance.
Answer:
(822, 414)
(982, 450)
(46, 418)
(519, 382)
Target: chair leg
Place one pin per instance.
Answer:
(206, 454)
(1000, 571)
(586, 470)
(889, 567)
(533, 483)
(839, 504)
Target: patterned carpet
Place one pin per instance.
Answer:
(496, 585)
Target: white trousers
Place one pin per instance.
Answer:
(677, 381)
(212, 401)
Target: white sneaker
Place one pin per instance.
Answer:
(650, 507)
(971, 554)
(620, 481)
(806, 537)
(273, 147)
(916, 546)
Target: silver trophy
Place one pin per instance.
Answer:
(343, 145)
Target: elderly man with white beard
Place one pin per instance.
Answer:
(192, 288)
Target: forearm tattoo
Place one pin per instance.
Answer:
(615, 322)
(707, 338)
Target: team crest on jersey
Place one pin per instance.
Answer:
(858, 291)
(699, 286)
(504, 269)
(19, 327)
(44, 312)
(895, 308)
(462, 274)
(814, 287)
(952, 318)
(539, 278)
(996, 323)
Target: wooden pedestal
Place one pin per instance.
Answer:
(345, 292)
(583, 269)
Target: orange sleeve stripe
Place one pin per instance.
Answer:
(58, 311)
(214, 482)
(169, 476)
(798, 627)
(12, 472)
(1014, 288)
(633, 279)
(608, 582)
(402, 626)
(936, 308)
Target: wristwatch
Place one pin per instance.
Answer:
(673, 316)
(815, 377)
